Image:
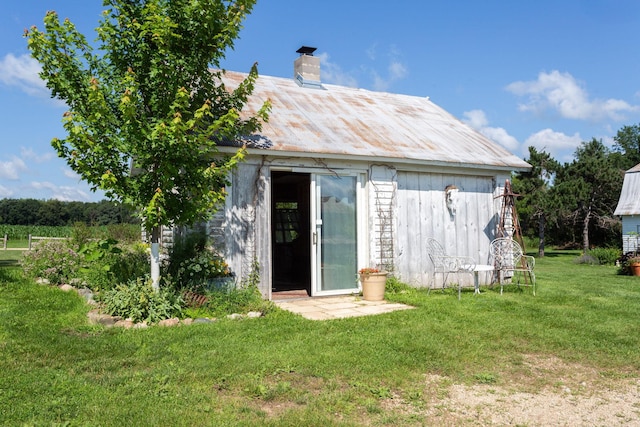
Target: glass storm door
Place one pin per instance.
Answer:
(335, 240)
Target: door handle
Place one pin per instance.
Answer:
(315, 238)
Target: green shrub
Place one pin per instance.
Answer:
(106, 264)
(606, 256)
(53, 260)
(395, 286)
(138, 301)
(192, 265)
(239, 300)
(196, 272)
(126, 233)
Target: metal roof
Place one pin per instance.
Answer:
(629, 202)
(337, 121)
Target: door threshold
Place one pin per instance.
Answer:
(290, 294)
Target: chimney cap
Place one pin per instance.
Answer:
(306, 50)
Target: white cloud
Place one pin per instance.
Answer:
(28, 153)
(559, 145)
(563, 93)
(22, 72)
(12, 168)
(372, 51)
(61, 192)
(396, 70)
(70, 174)
(477, 119)
(332, 73)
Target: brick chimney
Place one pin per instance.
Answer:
(306, 68)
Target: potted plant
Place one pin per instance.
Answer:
(373, 281)
(634, 265)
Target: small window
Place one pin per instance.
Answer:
(287, 222)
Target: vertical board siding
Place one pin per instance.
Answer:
(247, 225)
(422, 212)
(630, 228)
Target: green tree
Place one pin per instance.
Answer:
(146, 100)
(589, 188)
(536, 204)
(627, 144)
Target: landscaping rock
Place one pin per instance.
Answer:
(254, 314)
(126, 323)
(87, 295)
(234, 316)
(66, 288)
(169, 322)
(98, 318)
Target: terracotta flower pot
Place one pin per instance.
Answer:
(635, 269)
(373, 286)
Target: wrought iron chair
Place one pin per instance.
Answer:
(447, 264)
(510, 263)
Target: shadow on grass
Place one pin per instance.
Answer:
(9, 263)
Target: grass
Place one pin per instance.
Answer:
(283, 370)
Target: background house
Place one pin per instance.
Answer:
(343, 178)
(629, 209)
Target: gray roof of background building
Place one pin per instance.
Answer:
(629, 202)
(338, 121)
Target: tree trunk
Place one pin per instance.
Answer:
(585, 231)
(541, 225)
(155, 258)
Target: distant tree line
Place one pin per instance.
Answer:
(572, 204)
(57, 213)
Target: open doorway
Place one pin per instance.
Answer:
(290, 231)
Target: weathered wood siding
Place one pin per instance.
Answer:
(421, 212)
(247, 227)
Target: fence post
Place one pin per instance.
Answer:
(29, 241)
(5, 242)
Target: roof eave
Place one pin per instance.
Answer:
(399, 161)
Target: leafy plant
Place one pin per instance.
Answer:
(106, 265)
(394, 285)
(53, 260)
(625, 261)
(607, 256)
(240, 300)
(138, 301)
(197, 271)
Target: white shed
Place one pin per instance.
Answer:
(629, 210)
(343, 178)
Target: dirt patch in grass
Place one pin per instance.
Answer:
(554, 393)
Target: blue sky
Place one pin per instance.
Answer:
(547, 73)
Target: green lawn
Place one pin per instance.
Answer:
(283, 370)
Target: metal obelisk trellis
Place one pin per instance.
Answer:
(509, 225)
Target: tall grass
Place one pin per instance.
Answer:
(284, 370)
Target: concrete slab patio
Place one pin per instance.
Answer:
(338, 307)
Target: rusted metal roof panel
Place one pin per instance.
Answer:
(355, 122)
(629, 202)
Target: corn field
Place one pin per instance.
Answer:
(22, 232)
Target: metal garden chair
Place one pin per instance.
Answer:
(446, 264)
(511, 264)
